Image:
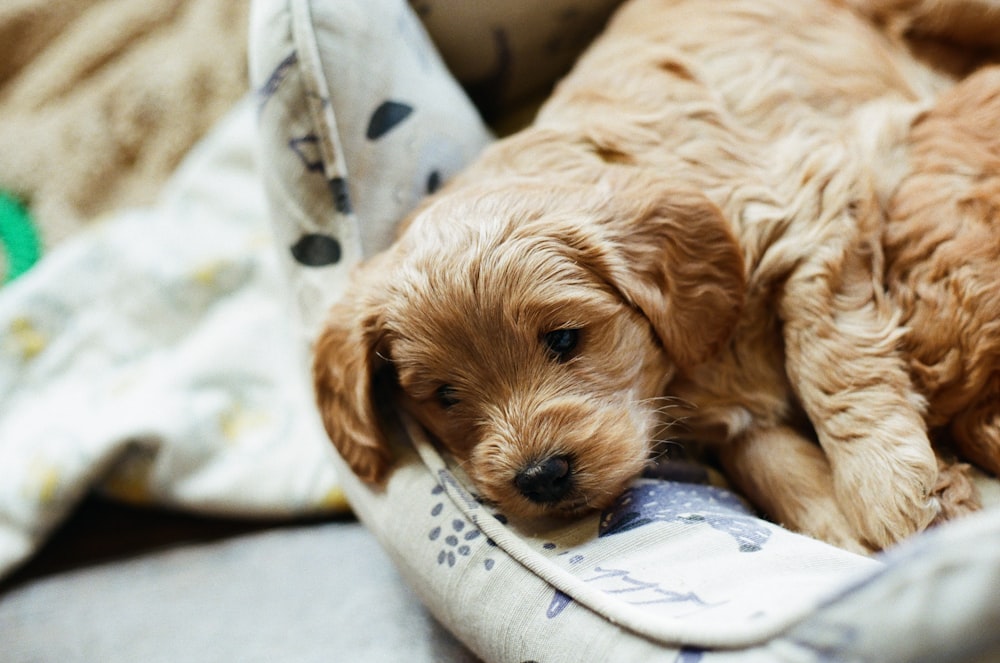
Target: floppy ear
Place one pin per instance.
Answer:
(346, 360)
(672, 255)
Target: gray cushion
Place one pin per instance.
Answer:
(312, 593)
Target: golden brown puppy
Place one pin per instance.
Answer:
(682, 240)
(943, 255)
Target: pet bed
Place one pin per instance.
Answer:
(359, 118)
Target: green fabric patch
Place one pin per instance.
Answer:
(19, 240)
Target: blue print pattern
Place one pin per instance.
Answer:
(639, 591)
(689, 655)
(386, 117)
(559, 602)
(665, 501)
(306, 148)
(457, 536)
(273, 82)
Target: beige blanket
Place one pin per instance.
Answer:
(100, 99)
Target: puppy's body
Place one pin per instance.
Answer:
(682, 240)
(942, 244)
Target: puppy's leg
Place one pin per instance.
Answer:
(788, 478)
(842, 356)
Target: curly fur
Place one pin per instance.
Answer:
(691, 201)
(942, 243)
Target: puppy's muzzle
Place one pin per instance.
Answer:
(546, 481)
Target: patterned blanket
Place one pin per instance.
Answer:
(150, 358)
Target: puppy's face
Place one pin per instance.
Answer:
(530, 328)
(526, 365)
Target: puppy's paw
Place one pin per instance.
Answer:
(890, 500)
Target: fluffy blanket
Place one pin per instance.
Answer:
(151, 358)
(126, 366)
(100, 99)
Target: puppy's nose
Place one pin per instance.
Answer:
(546, 481)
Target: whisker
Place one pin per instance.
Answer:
(663, 427)
(668, 402)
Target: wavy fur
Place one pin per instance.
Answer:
(693, 202)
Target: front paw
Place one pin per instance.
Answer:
(888, 497)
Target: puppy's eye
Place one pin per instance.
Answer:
(561, 342)
(446, 396)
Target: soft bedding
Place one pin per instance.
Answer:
(150, 358)
(101, 99)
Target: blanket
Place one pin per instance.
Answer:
(150, 358)
(125, 366)
(101, 99)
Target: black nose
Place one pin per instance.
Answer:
(546, 481)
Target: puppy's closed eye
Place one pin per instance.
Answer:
(561, 343)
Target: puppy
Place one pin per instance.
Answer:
(682, 245)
